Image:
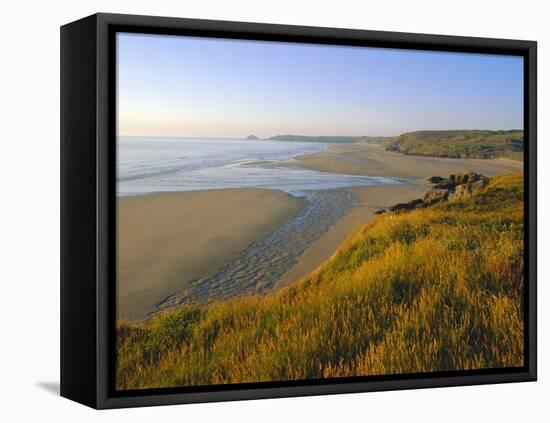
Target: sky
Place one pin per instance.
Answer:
(203, 87)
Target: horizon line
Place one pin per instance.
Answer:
(318, 135)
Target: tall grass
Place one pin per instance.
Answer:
(429, 290)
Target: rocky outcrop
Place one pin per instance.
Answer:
(455, 180)
(435, 179)
(470, 187)
(252, 137)
(455, 186)
(434, 196)
(445, 184)
(407, 206)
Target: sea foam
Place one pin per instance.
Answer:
(151, 165)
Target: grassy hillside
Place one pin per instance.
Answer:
(433, 289)
(461, 144)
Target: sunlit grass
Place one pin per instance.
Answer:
(428, 290)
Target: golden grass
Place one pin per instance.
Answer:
(429, 290)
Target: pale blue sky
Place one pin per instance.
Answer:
(201, 87)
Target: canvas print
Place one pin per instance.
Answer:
(291, 212)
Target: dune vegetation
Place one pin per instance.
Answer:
(432, 289)
(473, 144)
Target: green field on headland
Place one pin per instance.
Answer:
(472, 144)
(435, 288)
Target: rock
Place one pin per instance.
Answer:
(456, 180)
(407, 206)
(457, 185)
(470, 188)
(464, 178)
(435, 179)
(252, 137)
(445, 184)
(462, 190)
(482, 183)
(434, 196)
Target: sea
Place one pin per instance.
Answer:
(154, 165)
(147, 165)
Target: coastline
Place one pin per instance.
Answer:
(181, 247)
(367, 159)
(369, 200)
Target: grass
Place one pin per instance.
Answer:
(461, 144)
(429, 290)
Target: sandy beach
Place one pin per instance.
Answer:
(167, 240)
(373, 160)
(176, 248)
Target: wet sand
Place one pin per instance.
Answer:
(177, 248)
(262, 263)
(373, 160)
(369, 200)
(167, 240)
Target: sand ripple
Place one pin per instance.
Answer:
(258, 268)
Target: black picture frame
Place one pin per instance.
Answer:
(88, 208)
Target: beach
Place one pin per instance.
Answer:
(177, 248)
(167, 240)
(369, 200)
(374, 160)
